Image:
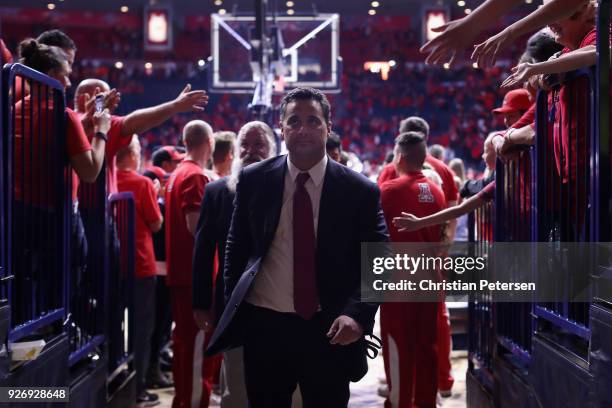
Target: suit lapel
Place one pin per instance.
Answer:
(274, 186)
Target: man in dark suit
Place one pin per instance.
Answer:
(255, 143)
(292, 266)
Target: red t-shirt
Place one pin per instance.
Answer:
(416, 194)
(528, 118)
(571, 104)
(116, 141)
(147, 212)
(32, 154)
(184, 193)
(446, 174)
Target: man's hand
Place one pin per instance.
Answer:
(204, 319)
(456, 36)
(190, 101)
(505, 149)
(520, 74)
(344, 331)
(102, 121)
(486, 53)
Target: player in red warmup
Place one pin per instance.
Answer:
(184, 193)
(411, 328)
(148, 221)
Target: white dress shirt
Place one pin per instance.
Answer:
(273, 286)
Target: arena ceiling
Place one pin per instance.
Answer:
(182, 7)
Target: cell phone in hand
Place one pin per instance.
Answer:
(99, 103)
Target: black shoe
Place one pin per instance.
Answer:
(147, 399)
(157, 379)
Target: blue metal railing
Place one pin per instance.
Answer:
(565, 194)
(120, 325)
(36, 190)
(513, 208)
(88, 283)
(481, 311)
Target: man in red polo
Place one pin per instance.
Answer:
(148, 221)
(410, 328)
(184, 193)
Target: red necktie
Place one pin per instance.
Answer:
(305, 298)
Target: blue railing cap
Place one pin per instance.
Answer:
(13, 69)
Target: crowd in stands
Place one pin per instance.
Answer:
(367, 111)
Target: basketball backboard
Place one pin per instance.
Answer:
(309, 48)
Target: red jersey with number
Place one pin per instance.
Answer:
(449, 188)
(415, 194)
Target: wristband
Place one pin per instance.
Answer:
(101, 135)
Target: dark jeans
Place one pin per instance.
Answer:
(144, 320)
(163, 319)
(281, 350)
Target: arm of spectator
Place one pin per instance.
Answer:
(409, 222)
(142, 120)
(451, 228)
(156, 226)
(460, 34)
(192, 222)
(87, 165)
(507, 147)
(580, 58)
(486, 53)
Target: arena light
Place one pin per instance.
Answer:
(371, 12)
(222, 11)
(375, 4)
(468, 11)
(446, 65)
(51, 6)
(375, 67)
(158, 28)
(528, 1)
(148, 66)
(290, 4)
(290, 12)
(461, 3)
(118, 64)
(475, 65)
(434, 18)
(392, 63)
(201, 63)
(218, 2)
(124, 9)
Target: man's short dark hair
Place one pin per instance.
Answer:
(333, 141)
(413, 146)
(414, 124)
(57, 38)
(224, 143)
(304, 94)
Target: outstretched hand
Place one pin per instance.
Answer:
(191, 101)
(485, 53)
(407, 222)
(520, 74)
(455, 36)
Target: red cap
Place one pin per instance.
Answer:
(174, 154)
(515, 100)
(159, 172)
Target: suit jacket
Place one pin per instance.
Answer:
(349, 214)
(211, 234)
